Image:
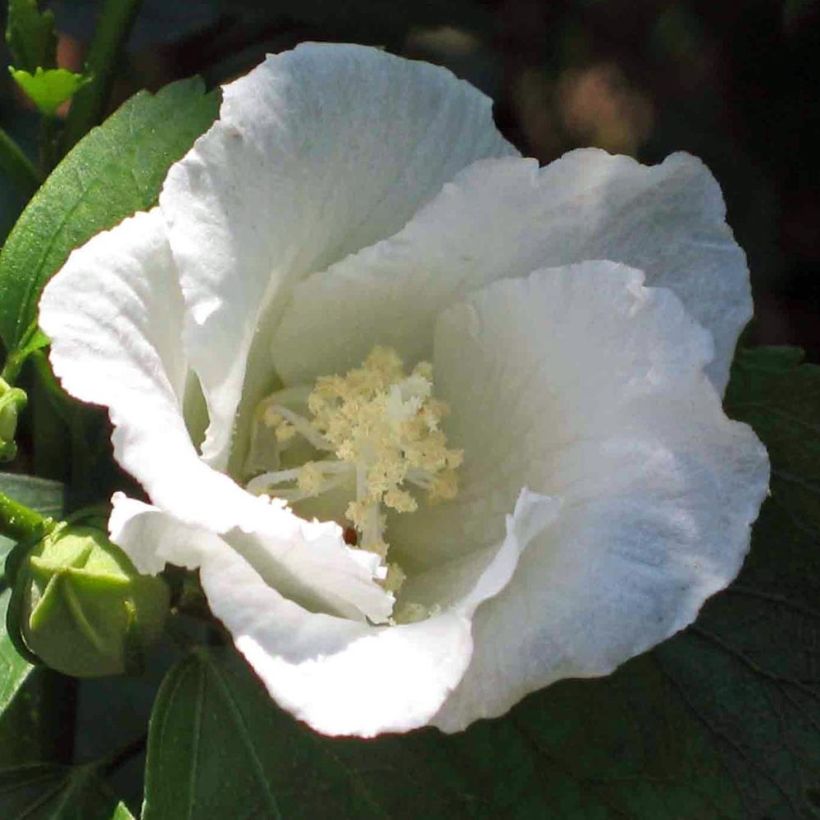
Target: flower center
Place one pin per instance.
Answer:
(380, 428)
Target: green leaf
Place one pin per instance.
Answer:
(749, 668)
(50, 792)
(722, 721)
(117, 169)
(47, 497)
(30, 35)
(577, 750)
(14, 669)
(49, 88)
(206, 721)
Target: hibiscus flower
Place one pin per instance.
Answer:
(437, 426)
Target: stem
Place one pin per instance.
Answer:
(11, 369)
(88, 105)
(33, 340)
(19, 522)
(49, 148)
(123, 755)
(17, 166)
(178, 635)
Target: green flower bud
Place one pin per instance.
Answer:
(12, 401)
(86, 611)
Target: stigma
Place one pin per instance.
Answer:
(377, 429)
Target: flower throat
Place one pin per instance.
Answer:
(379, 427)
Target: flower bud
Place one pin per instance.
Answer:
(86, 611)
(12, 401)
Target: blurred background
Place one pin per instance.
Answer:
(734, 82)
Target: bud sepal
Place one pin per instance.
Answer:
(81, 607)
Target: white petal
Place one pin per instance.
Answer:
(318, 152)
(152, 538)
(339, 676)
(304, 563)
(506, 218)
(114, 314)
(583, 385)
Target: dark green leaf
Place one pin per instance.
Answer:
(47, 792)
(30, 35)
(46, 497)
(750, 668)
(115, 170)
(30, 728)
(49, 88)
(597, 749)
(207, 721)
(722, 721)
(14, 669)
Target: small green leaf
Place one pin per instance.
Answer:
(30, 35)
(722, 721)
(117, 169)
(49, 792)
(49, 88)
(121, 812)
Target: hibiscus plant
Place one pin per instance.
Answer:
(398, 475)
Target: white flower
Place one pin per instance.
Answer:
(347, 199)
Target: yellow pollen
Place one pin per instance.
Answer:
(395, 578)
(385, 423)
(284, 432)
(272, 418)
(410, 613)
(444, 486)
(383, 426)
(400, 500)
(311, 479)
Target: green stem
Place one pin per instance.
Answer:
(49, 144)
(19, 522)
(117, 758)
(11, 369)
(88, 105)
(32, 341)
(17, 166)
(178, 634)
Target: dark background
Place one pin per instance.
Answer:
(733, 82)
